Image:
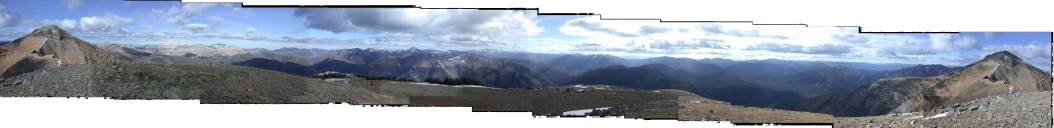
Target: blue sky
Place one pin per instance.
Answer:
(116, 21)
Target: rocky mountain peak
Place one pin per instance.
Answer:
(51, 31)
(1002, 56)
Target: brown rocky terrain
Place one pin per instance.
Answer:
(48, 47)
(1017, 110)
(699, 108)
(210, 84)
(996, 74)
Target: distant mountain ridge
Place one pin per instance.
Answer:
(769, 82)
(806, 78)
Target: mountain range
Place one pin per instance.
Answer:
(49, 57)
(762, 83)
(50, 62)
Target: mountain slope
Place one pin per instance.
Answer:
(52, 63)
(575, 64)
(996, 74)
(412, 64)
(632, 77)
(722, 86)
(47, 47)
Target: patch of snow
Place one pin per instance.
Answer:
(580, 87)
(45, 41)
(1011, 87)
(583, 112)
(334, 79)
(937, 116)
(457, 59)
(696, 101)
(915, 117)
(473, 86)
(423, 83)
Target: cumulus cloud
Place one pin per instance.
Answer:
(774, 42)
(669, 45)
(196, 27)
(250, 30)
(7, 20)
(823, 49)
(752, 32)
(699, 38)
(595, 26)
(182, 13)
(829, 49)
(776, 47)
(591, 25)
(887, 45)
(73, 4)
(441, 25)
(648, 30)
(601, 48)
(105, 24)
(953, 42)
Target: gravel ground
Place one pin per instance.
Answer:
(1017, 110)
(698, 108)
(211, 84)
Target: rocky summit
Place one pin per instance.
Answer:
(49, 47)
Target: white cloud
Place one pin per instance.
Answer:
(73, 4)
(453, 26)
(678, 38)
(250, 30)
(7, 20)
(952, 42)
(197, 27)
(217, 19)
(746, 41)
(108, 23)
(182, 13)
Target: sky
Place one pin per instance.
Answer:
(154, 22)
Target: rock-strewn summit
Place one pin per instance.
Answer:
(999, 73)
(50, 46)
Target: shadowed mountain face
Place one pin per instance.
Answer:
(632, 77)
(417, 65)
(997, 74)
(720, 85)
(286, 67)
(575, 64)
